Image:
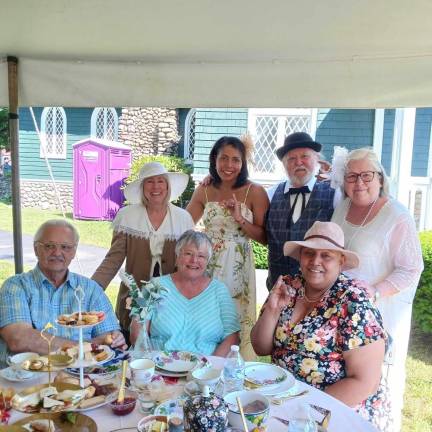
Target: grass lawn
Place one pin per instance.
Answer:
(97, 234)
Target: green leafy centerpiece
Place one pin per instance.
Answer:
(143, 302)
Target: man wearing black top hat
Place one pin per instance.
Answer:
(297, 203)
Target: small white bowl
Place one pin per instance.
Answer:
(206, 376)
(253, 419)
(17, 360)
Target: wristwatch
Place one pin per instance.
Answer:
(377, 295)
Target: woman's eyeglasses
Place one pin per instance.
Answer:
(51, 246)
(366, 176)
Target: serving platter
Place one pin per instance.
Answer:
(58, 362)
(82, 422)
(101, 317)
(110, 354)
(29, 399)
(108, 368)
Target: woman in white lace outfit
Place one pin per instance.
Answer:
(145, 232)
(382, 232)
(233, 210)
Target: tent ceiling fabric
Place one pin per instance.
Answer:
(206, 53)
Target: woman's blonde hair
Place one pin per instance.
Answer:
(368, 154)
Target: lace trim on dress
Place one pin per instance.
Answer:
(140, 234)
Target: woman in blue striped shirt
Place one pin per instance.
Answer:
(198, 313)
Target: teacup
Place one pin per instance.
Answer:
(16, 361)
(206, 376)
(142, 371)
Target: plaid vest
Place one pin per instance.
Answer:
(319, 207)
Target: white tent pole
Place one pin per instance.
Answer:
(14, 144)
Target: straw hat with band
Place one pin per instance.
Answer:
(323, 235)
(177, 182)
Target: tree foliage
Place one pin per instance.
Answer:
(4, 129)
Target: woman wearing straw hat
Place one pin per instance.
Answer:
(145, 231)
(321, 326)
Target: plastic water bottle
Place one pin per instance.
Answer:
(233, 372)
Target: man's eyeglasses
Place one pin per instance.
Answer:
(366, 176)
(51, 246)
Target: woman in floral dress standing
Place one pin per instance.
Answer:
(233, 210)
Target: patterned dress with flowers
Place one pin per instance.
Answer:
(312, 349)
(233, 264)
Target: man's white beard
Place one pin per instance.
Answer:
(304, 180)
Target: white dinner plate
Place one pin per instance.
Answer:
(10, 375)
(177, 364)
(287, 386)
(175, 361)
(265, 374)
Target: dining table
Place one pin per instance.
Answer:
(342, 417)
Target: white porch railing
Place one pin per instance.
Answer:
(420, 202)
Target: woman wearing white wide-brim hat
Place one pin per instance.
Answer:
(145, 231)
(321, 326)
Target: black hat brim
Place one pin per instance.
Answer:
(282, 151)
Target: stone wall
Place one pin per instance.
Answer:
(149, 131)
(41, 194)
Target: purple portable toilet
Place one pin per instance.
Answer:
(99, 169)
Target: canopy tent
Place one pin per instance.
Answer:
(283, 53)
(207, 53)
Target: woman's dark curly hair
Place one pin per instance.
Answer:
(238, 145)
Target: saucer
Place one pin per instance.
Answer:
(11, 375)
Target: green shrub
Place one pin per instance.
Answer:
(422, 309)
(261, 254)
(171, 163)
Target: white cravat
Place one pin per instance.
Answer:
(297, 210)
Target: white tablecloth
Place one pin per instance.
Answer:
(343, 418)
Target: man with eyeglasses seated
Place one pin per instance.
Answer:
(28, 301)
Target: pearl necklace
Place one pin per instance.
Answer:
(357, 227)
(303, 294)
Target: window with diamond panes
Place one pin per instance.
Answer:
(104, 124)
(53, 133)
(189, 144)
(269, 127)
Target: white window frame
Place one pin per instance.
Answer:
(279, 172)
(187, 129)
(95, 114)
(43, 149)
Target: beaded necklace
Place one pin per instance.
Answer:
(357, 227)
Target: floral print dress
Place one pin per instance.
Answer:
(232, 263)
(312, 349)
